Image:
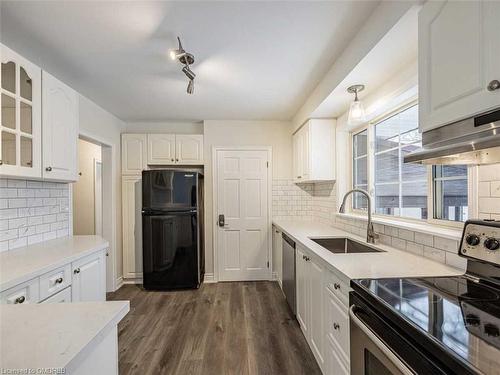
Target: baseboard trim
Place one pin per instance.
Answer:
(136, 280)
(274, 276)
(209, 278)
(118, 283)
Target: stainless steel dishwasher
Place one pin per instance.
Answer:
(289, 271)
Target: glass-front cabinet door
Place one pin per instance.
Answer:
(20, 116)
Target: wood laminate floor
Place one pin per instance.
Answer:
(224, 328)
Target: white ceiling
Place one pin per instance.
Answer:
(395, 52)
(254, 60)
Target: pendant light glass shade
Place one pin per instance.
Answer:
(357, 110)
(356, 113)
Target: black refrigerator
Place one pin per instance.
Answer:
(172, 229)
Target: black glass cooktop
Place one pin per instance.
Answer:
(459, 314)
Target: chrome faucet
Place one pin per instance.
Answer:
(371, 236)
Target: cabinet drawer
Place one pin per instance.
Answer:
(337, 324)
(338, 288)
(60, 297)
(54, 281)
(27, 292)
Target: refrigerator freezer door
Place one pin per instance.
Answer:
(169, 190)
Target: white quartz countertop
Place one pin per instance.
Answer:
(390, 263)
(54, 335)
(25, 263)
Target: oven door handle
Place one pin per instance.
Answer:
(400, 365)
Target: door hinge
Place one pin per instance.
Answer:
(267, 264)
(267, 164)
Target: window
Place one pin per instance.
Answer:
(450, 192)
(402, 189)
(360, 170)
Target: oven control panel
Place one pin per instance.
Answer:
(481, 240)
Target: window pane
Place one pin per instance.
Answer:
(408, 119)
(8, 148)
(8, 112)
(359, 200)
(387, 199)
(387, 166)
(415, 200)
(412, 171)
(9, 76)
(386, 135)
(26, 84)
(360, 171)
(450, 192)
(26, 152)
(360, 142)
(26, 118)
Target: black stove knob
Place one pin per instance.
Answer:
(491, 330)
(472, 239)
(472, 320)
(491, 243)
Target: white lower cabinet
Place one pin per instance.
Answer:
(89, 282)
(309, 275)
(322, 305)
(60, 297)
(277, 255)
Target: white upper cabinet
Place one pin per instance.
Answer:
(189, 149)
(161, 149)
(459, 60)
(59, 130)
(314, 151)
(134, 153)
(20, 113)
(170, 149)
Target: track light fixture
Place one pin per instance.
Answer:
(186, 59)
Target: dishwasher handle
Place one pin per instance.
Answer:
(288, 240)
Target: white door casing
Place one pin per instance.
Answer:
(241, 192)
(98, 197)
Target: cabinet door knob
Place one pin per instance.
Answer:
(176, 159)
(20, 299)
(173, 159)
(48, 169)
(336, 285)
(59, 280)
(1, 162)
(77, 270)
(336, 325)
(494, 85)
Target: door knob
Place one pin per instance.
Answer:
(48, 169)
(494, 85)
(222, 221)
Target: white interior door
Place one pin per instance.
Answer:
(242, 197)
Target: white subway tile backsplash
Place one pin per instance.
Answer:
(398, 243)
(424, 239)
(456, 261)
(32, 211)
(415, 248)
(446, 244)
(406, 234)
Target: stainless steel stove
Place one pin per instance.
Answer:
(440, 325)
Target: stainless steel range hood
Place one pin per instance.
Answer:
(475, 140)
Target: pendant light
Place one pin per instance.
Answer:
(356, 111)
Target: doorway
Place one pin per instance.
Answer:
(242, 226)
(87, 191)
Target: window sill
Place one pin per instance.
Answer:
(426, 228)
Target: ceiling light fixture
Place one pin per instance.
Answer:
(186, 59)
(356, 111)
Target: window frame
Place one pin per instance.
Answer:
(370, 128)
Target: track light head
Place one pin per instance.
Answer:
(190, 88)
(188, 72)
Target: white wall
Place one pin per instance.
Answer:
(175, 127)
(276, 134)
(83, 189)
(100, 125)
(385, 16)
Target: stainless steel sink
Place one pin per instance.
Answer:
(344, 246)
